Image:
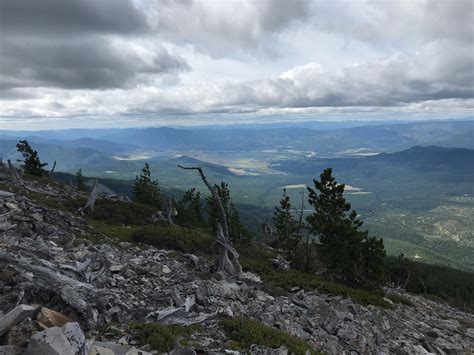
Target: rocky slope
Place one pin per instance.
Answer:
(62, 293)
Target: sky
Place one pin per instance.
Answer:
(119, 63)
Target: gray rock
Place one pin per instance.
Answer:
(182, 350)
(11, 350)
(76, 338)
(15, 316)
(65, 340)
(263, 350)
(110, 348)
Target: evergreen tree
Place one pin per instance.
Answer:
(347, 252)
(80, 183)
(287, 228)
(238, 233)
(146, 190)
(190, 209)
(31, 164)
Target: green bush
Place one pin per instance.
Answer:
(256, 258)
(122, 213)
(397, 298)
(162, 337)
(178, 238)
(246, 331)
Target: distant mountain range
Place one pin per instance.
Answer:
(333, 142)
(455, 161)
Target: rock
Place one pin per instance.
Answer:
(263, 350)
(11, 350)
(202, 296)
(76, 338)
(66, 340)
(51, 318)
(20, 334)
(110, 348)
(116, 268)
(15, 316)
(182, 350)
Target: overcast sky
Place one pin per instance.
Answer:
(93, 63)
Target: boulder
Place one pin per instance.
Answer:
(20, 334)
(51, 318)
(15, 316)
(263, 350)
(66, 340)
(110, 348)
(11, 350)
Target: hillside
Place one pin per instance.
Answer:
(153, 296)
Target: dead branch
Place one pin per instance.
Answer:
(215, 196)
(73, 292)
(19, 180)
(228, 261)
(90, 200)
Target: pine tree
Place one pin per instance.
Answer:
(238, 233)
(287, 228)
(190, 209)
(146, 190)
(31, 164)
(348, 253)
(80, 183)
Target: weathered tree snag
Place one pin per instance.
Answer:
(14, 173)
(73, 292)
(228, 261)
(215, 196)
(19, 180)
(228, 256)
(266, 230)
(91, 200)
(167, 209)
(52, 170)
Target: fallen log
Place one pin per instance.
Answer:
(77, 294)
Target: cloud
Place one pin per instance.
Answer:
(70, 18)
(90, 63)
(141, 59)
(79, 44)
(226, 28)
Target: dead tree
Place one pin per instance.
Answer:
(16, 177)
(52, 170)
(266, 230)
(75, 293)
(228, 261)
(90, 200)
(167, 209)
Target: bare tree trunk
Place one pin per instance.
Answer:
(228, 262)
(91, 200)
(75, 293)
(215, 196)
(167, 209)
(19, 180)
(15, 176)
(52, 170)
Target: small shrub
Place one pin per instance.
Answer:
(122, 213)
(245, 331)
(171, 237)
(162, 337)
(397, 298)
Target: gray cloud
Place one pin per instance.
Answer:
(70, 18)
(226, 28)
(92, 63)
(88, 58)
(78, 44)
